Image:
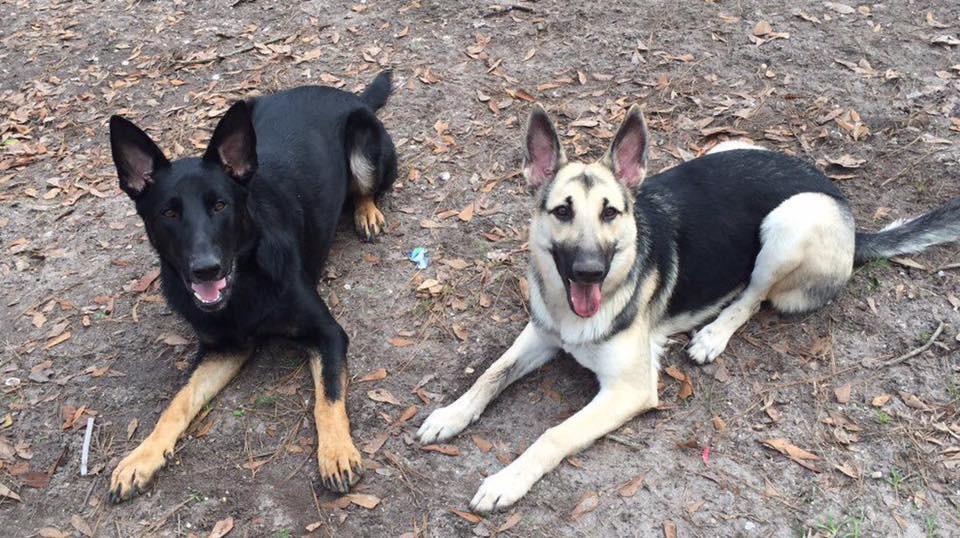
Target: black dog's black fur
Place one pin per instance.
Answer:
(278, 221)
(258, 212)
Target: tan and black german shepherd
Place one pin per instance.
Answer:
(618, 264)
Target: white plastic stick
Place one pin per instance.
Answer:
(86, 447)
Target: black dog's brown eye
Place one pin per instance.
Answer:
(170, 213)
(218, 207)
(609, 213)
(562, 212)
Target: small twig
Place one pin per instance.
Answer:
(163, 520)
(907, 168)
(502, 9)
(297, 468)
(915, 352)
(624, 441)
(946, 267)
(93, 484)
(85, 454)
(241, 50)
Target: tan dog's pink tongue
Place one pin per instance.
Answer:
(209, 292)
(585, 298)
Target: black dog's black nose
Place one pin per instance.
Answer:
(205, 268)
(590, 270)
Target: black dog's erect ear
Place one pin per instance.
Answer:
(627, 156)
(544, 156)
(234, 144)
(135, 156)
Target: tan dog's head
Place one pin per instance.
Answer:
(583, 223)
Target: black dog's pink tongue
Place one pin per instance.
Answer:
(585, 298)
(208, 292)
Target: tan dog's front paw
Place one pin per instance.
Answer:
(135, 472)
(340, 465)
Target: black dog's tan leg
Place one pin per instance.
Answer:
(137, 469)
(367, 217)
(340, 463)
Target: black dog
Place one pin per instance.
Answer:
(242, 234)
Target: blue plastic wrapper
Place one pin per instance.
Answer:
(420, 257)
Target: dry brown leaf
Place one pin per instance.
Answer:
(686, 387)
(407, 414)
(143, 284)
(912, 401)
(762, 28)
(82, 526)
(510, 522)
(842, 9)
(482, 444)
(881, 400)
(719, 424)
(383, 395)
(669, 529)
(57, 340)
(174, 340)
(396, 341)
(588, 502)
(792, 451)
(222, 528)
(374, 445)
(849, 470)
(8, 493)
(35, 479)
(842, 393)
(630, 488)
(51, 532)
(467, 516)
(455, 263)
(448, 450)
(785, 447)
(466, 214)
(364, 500)
(132, 427)
(375, 375)
(846, 161)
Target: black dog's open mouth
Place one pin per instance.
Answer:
(211, 295)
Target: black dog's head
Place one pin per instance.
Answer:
(194, 210)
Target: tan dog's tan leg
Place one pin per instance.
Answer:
(340, 463)
(367, 217)
(628, 386)
(137, 469)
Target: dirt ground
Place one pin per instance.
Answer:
(871, 92)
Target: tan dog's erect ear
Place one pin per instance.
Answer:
(627, 156)
(544, 156)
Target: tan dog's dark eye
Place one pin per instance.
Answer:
(609, 213)
(219, 206)
(170, 213)
(563, 213)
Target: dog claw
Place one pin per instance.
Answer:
(340, 470)
(135, 472)
(368, 219)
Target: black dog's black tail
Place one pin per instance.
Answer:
(375, 95)
(942, 225)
